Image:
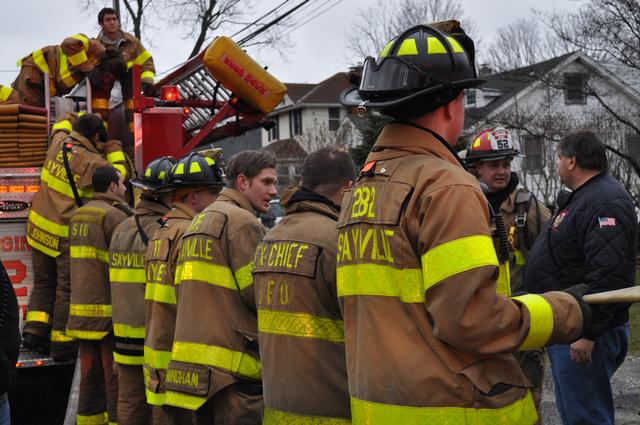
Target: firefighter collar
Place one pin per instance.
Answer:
(81, 140)
(398, 136)
(235, 197)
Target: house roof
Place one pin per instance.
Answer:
(327, 91)
(286, 149)
(296, 91)
(508, 83)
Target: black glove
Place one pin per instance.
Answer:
(578, 291)
(95, 76)
(145, 87)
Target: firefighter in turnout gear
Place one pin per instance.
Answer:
(215, 368)
(111, 36)
(127, 275)
(91, 230)
(491, 153)
(300, 327)
(198, 181)
(66, 64)
(416, 269)
(48, 226)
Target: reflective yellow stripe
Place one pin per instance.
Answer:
(521, 412)
(157, 359)
(44, 249)
(434, 45)
(127, 359)
(457, 48)
(90, 310)
(220, 357)
(300, 325)
(5, 92)
(142, 58)
(540, 323)
(61, 336)
(48, 225)
(380, 280)
(386, 48)
(117, 156)
(128, 331)
(148, 75)
(520, 258)
(121, 169)
(160, 293)
(244, 276)
(457, 256)
(65, 75)
(277, 417)
(127, 275)
(156, 399)
(41, 63)
(93, 335)
(78, 58)
(177, 274)
(38, 316)
(209, 273)
(84, 39)
(100, 103)
(63, 187)
(89, 253)
(503, 285)
(184, 401)
(408, 47)
(99, 419)
(63, 125)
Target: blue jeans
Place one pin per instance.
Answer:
(583, 393)
(5, 414)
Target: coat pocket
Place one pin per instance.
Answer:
(496, 375)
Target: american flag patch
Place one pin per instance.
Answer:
(606, 221)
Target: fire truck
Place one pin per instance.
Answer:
(219, 93)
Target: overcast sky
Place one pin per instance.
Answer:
(319, 50)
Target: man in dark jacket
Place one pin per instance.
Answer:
(590, 240)
(9, 341)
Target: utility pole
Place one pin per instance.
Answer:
(116, 6)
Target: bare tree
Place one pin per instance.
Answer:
(375, 26)
(604, 29)
(201, 18)
(523, 43)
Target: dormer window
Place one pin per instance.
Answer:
(471, 98)
(574, 89)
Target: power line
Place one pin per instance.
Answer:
(248, 37)
(312, 18)
(272, 23)
(260, 18)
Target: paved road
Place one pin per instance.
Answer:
(626, 393)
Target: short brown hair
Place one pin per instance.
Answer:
(249, 163)
(330, 168)
(106, 11)
(588, 150)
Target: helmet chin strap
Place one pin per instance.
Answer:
(438, 137)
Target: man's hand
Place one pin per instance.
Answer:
(581, 351)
